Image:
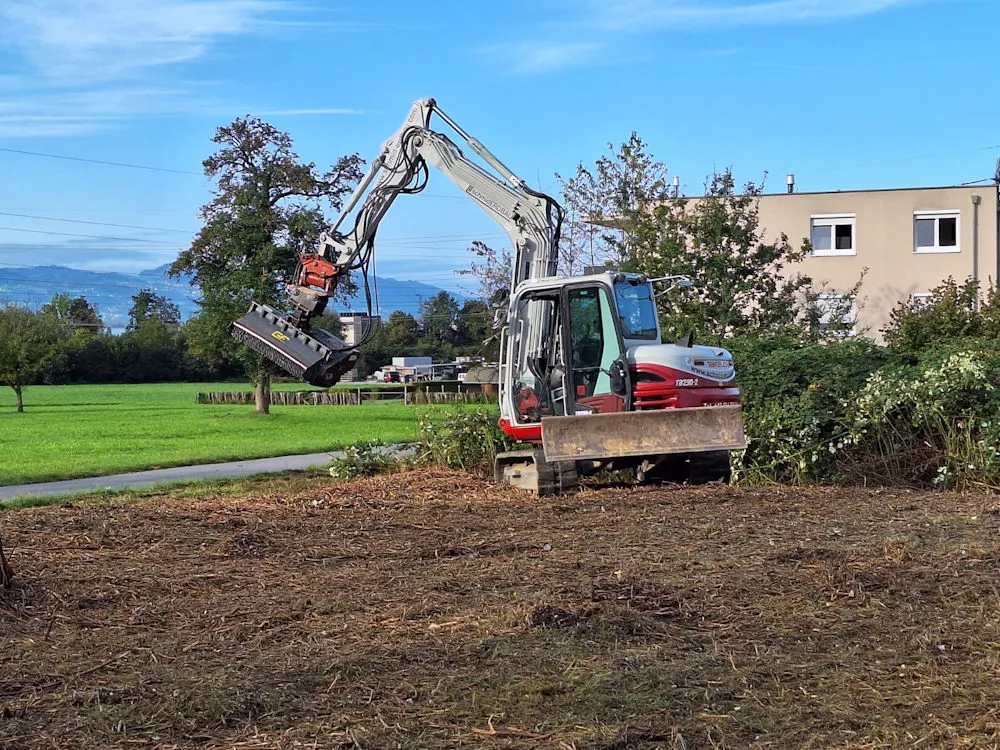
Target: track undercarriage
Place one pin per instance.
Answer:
(683, 446)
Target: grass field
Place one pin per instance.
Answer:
(434, 610)
(91, 430)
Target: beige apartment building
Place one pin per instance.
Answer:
(910, 240)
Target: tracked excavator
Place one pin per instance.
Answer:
(585, 381)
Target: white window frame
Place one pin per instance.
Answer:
(953, 213)
(832, 220)
(922, 298)
(851, 317)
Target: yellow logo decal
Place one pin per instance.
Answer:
(280, 336)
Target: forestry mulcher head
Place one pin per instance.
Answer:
(318, 357)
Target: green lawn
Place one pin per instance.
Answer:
(89, 430)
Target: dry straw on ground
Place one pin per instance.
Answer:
(432, 610)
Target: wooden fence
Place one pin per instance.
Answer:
(343, 397)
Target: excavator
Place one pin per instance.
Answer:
(585, 380)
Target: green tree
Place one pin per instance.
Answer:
(439, 317)
(602, 202)
(401, 331)
(31, 346)
(266, 210)
(741, 285)
(475, 330)
(74, 312)
(147, 305)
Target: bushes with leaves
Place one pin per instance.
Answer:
(793, 400)
(467, 439)
(936, 423)
(953, 311)
(922, 412)
(362, 460)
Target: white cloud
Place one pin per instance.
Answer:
(94, 40)
(649, 15)
(599, 25)
(78, 66)
(542, 57)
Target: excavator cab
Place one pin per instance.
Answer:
(569, 354)
(570, 390)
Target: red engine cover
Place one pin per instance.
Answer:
(654, 387)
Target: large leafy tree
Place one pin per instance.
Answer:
(147, 305)
(601, 202)
(475, 325)
(742, 283)
(31, 346)
(268, 207)
(439, 317)
(74, 312)
(401, 331)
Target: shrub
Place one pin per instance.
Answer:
(949, 313)
(937, 423)
(792, 401)
(468, 439)
(361, 460)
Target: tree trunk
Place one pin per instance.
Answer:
(19, 390)
(6, 572)
(262, 395)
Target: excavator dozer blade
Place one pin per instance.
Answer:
(643, 433)
(318, 357)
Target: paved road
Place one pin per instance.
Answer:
(140, 479)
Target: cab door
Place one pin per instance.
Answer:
(598, 381)
(535, 372)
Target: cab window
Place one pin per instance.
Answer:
(637, 310)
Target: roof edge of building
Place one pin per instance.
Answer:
(878, 190)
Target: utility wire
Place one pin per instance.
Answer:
(156, 284)
(442, 239)
(91, 236)
(99, 161)
(95, 223)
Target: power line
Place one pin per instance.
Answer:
(99, 161)
(95, 223)
(124, 287)
(91, 236)
(396, 242)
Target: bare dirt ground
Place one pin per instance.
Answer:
(433, 610)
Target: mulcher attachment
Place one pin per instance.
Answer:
(318, 357)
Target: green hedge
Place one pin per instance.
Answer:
(857, 413)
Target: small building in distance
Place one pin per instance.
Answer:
(354, 326)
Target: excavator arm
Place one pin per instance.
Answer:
(530, 219)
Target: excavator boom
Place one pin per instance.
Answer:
(531, 220)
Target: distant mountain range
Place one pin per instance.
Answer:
(111, 293)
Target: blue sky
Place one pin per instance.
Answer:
(847, 94)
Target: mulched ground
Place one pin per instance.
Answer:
(432, 610)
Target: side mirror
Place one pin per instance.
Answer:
(619, 381)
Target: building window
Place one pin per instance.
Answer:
(833, 234)
(837, 314)
(920, 300)
(935, 232)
